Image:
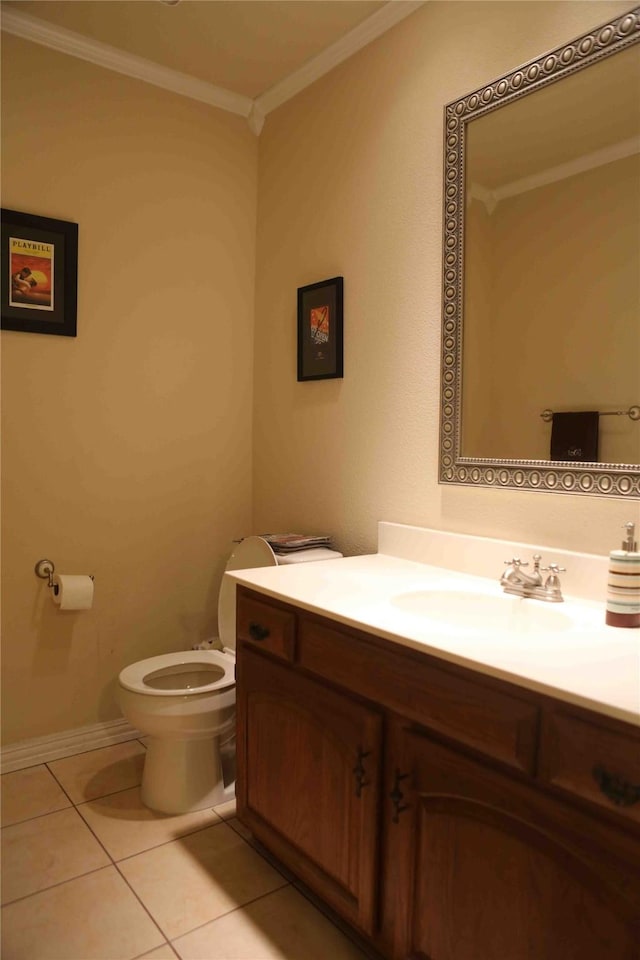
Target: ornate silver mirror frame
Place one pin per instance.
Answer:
(595, 479)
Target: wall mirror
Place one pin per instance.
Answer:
(541, 272)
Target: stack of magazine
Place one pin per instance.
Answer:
(284, 543)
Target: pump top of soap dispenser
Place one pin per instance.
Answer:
(630, 545)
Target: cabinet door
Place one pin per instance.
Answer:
(488, 868)
(308, 781)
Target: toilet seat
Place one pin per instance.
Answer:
(139, 677)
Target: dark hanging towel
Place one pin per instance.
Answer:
(574, 436)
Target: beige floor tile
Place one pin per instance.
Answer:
(211, 872)
(126, 827)
(92, 918)
(30, 793)
(97, 773)
(160, 953)
(226, 810)
(280, 926)
(40, 853)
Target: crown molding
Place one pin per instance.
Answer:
(615, 151)
(367, 31)
(103, 55)
(589, 161)
(256, 119)
(487, 197)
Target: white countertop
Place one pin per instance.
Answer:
(561, 649)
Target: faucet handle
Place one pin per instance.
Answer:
(552, 583)
(516, 562)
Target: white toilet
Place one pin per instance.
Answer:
(184, 702)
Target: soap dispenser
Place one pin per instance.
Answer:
(623, 587)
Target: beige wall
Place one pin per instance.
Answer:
(564, 334)
(350, 182)
(126, 451)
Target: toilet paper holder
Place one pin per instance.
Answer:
(45, 570)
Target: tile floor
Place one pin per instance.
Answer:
(88, 872)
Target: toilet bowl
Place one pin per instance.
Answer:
(184, 703)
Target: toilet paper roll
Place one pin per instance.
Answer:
(72, 592)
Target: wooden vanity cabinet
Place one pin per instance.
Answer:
(486, 866)
(439, 839)
(308, 763)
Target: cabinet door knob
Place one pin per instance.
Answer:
(258, 632)
(615, 788)
(359, 771)
(397, 796)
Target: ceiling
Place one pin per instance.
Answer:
(246, 47)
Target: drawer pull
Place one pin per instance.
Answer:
(397, 796)
(258, 632)
(359, 771)
(619, 791)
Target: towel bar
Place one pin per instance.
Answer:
(633, 413)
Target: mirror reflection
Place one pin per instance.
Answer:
(552, 269)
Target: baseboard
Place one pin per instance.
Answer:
(29, 753)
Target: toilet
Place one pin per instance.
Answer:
(184, 702)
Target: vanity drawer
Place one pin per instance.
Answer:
(480, 714)
(594, 760)
(265, 625)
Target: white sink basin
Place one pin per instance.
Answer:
(482, 612)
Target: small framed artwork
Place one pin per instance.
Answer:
(39, 274)
(320, 330)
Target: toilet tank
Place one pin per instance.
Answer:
(250, 553)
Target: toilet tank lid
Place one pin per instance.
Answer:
(306, 556)
(250, 553)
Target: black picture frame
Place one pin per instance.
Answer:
(320, 330)
(39, 274)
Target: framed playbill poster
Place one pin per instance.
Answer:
(320, 350)
(39, 270)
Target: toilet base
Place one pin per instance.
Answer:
(181, 776)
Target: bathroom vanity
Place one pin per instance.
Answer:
(452, 794)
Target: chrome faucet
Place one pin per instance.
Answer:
(515, 581)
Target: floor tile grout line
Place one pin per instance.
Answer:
(102, 796)
(164, 843)
(58, 883)
(72, 803)
(52, 774)
(95, 835)
(227, 913)
(155, 846)
(84, 824)
(167, 943)
(115, 863)
(37, 816)
(143, 905)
